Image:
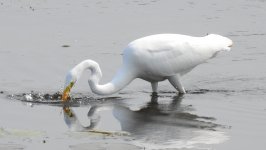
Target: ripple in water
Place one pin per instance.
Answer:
(76, 99)
(197, 91)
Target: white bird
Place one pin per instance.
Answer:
(153, 58)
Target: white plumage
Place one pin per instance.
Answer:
(153, 58)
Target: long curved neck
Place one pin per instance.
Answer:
(121, 79)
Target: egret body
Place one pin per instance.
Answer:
(153, 58)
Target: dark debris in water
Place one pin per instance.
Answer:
(35, 97)
(65, 45)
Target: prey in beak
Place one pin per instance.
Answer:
(66, 92)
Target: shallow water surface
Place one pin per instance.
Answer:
(160, 121)
(40, 41)
(166, 120)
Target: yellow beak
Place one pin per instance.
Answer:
(66, 92)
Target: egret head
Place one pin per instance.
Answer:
(220, 43)
(69, 83)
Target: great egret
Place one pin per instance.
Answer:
(153, 58)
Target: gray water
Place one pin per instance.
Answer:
(40, 41)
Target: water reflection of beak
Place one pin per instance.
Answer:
(66, 92)
(68, 111)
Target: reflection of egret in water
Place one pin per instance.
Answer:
(154, 122)
(162, 121)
